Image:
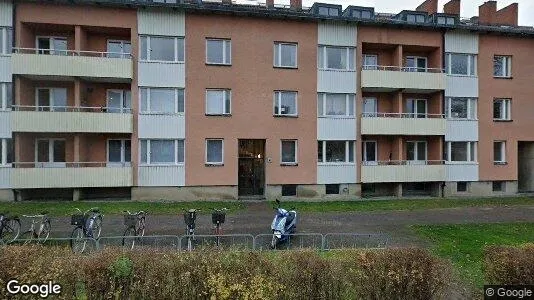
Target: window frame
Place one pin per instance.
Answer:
(416, 68)
(277, 99)
(321, 99)
(148, 48)
(221, 163)
(286, 163)
(364, 152)
(347, 153)
(416, 151)
(51, 107)
(467, 185)
(225, 56)
(122, 53)
(225, 109)
(4, 163)
(364, 59)
(123, 109)
(278, 48)
(503, 160)
(472, 64)
(507, 66)
(472, 152)
(148, 153)
(52, 50)
(472, 107)
(51, 152)
(324, 64)
(6, 104)
(6, 44)
(123, 161)
(150, 112)
(505, 109)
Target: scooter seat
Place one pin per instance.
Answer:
(290, 218)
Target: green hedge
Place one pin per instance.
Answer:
(114, 274)
(509, 265)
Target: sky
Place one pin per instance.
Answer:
(469, 7)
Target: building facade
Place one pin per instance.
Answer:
(189, 100)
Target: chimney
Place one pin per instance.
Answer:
(508, 15)
(296, 4)
(269, 3)
(487, 13)
(429, 6)
(452, 7)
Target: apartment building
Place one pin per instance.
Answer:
(186, 100)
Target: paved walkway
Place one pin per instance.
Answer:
(256, 219)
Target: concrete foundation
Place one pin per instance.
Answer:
(189, 193)
(315, 192)
(481, 189)
(6, 195)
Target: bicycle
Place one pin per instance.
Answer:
(9, 228)
(135, 227)
(218, 216)
(189, 218)
(41, 233)
(88, 226)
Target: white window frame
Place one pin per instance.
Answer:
(347, 53)
(4, 86)
(123, 109)
(278, 100)
(472, 150)
(366, 66)
(3, 151)
(416, 113)
(321, 98)
(227, 57)
(347, 153)
(503, 153)
(471, 108)
(373, 114)
(286, 163)
(51, 49)
(507, 66)
(148, 153)
(416, 68)
(122, 53)
(148, 49)
(149, 112)
(506, 109)
(206, 152)
(416, 161)
(226, 110)
(5, 41)
(52, 106)
(472, 59)
(370, 162)
(123, 162)
(278, 50)
(50, 163)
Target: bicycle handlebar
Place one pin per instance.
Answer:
(141, 212)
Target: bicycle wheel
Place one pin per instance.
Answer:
(97, 227)
(44, 233)
(26, 237)
(10, 231)
(128, 240)
(78, 240)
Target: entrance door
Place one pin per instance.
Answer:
(251, 168)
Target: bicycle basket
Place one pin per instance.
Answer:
(218, 217)
(130, 220)
(188, 219)
(77, 220)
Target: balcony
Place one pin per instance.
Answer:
(403, 171)
(5, 124)
(336, 173)
(336, 81)
(164, 175)
(5, 176)
(71, 119)
(5, 68)
(462, 171)
(89, 65)
(70, 175)
(336, 128)
(410, 80)
(403, 124)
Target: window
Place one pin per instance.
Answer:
(499, 152)
(285, 55)
(446, 20)
(6, 95)
(412, 18)
(370, 108)
(332, 189)
(369, 153)
(461, 64)
(119, 101)
(218, 102)
(218, 52)
(214, 151)
(461, 152)
(162, 152)
(502, 66)
(119, 49)
(162, 101)
(52, 45)
(159, 48)
(6, 40)
(119, 152)
(336, 58)
(416, 151)
(288, 151)
(335, 105)
(6, 152)
(416, 64)
(502, 110)
(461, 108)
(285, 103)
(416, 108)
(461, 187)
(328, 11)
(50, 152)
(370, 62)
(361, 14)
(335, 151)
(51, 99)
(498, 186)
(289, 190)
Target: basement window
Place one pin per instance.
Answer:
(498, 186)
(289, 190)
(461, 187)
(332, 189)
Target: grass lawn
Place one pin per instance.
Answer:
(464, 244)
(115, 207)
(403, 204)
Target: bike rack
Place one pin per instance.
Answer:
(294, 241)
(226, 241)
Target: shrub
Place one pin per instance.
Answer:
(509, 265)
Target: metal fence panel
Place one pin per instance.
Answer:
(221, 242)
(294, 241)
(355, 240)
(160, 242)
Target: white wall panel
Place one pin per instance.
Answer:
(403, 173)
(161, 126)
(161, 22)
(336, 129)
(335, 81)
(378, 79)
(337, 34)
(6, 13)
(153, 74)
(161, 176)
(5, 68)
(404, 126)
(334, 174)
(461, 42)
(460, 86)
(5, 124)
(5, 177)
(462, 130)
(462, 172)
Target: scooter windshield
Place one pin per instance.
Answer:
(278, 223)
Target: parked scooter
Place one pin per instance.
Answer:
(284, 224)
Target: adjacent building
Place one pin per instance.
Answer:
(187, 100)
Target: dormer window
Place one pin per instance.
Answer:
(361, 14)
(413, 18)
(442, 20)
(328, 11)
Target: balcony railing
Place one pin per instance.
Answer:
(71, 52)
(403, 115)
(403, 124)
(404, 69)
(70, 164)
(411, 79)
(99, 109)
(403, 171)
(403, 163)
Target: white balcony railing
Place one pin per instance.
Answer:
(403, 171)
(71, 53)
(411, 79)
(403, 124)
(404, 69)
